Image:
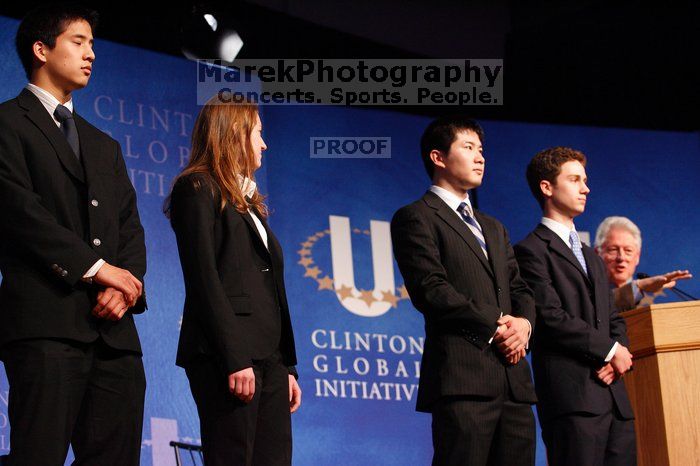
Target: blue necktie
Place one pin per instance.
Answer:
(575, 243)
(466, 214)
(65, 117)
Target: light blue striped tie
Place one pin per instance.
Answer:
(576, 248)
(466, 214)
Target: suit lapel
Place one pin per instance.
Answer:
(558, 246)
(88, 148)
(491, 238)
(41, 118)
(274, 246)
(251, 224)
(589, 254)
(452, 219)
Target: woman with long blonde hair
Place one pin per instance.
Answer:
(236, 342)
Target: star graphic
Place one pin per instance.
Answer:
(328, 232)
(366, 232)
(312, 272)
(344, 292)
(307, 244)
(367, 297)
(306, 261)
(304, 252)
(313, 238)
(389, 297)
(320, 234)
(403, 294)
(356, 230)
(325, 283)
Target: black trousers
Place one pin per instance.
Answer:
(582, 439)
(475, 431)
(64, 392)
(235, 433)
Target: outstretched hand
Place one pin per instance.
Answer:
(658, 282)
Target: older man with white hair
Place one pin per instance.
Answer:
(618, 241)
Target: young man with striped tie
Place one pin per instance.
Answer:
(461, 274)
(579, 352)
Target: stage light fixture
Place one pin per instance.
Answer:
(208, 35)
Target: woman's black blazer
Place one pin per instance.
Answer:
(236, 307)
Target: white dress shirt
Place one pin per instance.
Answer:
(248, 188)
(260, 227)
(49, 101)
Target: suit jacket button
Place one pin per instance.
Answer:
(55, 267)
(597, 320)
(94, 203)
(96, 241)
(499, 289)
(64, 273)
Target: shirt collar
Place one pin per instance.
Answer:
(450, 199)
(559, 229)
(247, 185)
(48, 100)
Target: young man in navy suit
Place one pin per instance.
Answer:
(72, 258)
(579, 353)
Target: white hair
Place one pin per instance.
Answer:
(617, 222)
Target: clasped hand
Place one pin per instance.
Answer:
(121, 292)
(111, 304)
(620, 363)
(511, 337)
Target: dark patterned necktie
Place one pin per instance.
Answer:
(474, 226)
(65, 117)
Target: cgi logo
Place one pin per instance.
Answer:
(350, 148)
(372, 302)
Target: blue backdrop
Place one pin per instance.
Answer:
(358, 338)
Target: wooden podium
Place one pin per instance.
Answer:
(664, 386)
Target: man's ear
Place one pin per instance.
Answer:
(546, 188)
(40, 49)
(438, 158)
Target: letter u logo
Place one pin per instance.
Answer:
(366, 303)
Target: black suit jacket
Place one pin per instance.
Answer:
(461, 294)
(60, 217)
(236, 308)
(577, 325)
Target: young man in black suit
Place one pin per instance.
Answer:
(579, 352)
(72, 260)
(461, 274)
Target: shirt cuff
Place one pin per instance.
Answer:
(494, 333)
(610, 355)
(636, 292)
(92, 271)
(529, 332)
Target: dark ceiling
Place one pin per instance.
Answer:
(591, 63)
